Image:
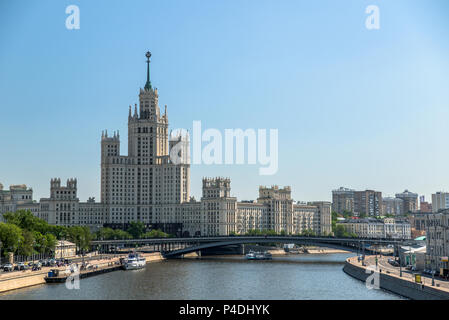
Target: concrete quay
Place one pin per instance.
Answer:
(22, 279)
(390, 280)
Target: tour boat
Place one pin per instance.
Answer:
(258, 255)
(134, 261)
(251, 255)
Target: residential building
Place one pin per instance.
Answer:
(437, 240)
(368, 202)
(343, 200)
(424, 206)
(374, 228)
(392, 206)
(440, 201)
(410, 201)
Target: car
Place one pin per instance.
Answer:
(20, 266)
(8, 267)
(393, 262)
(37, 266)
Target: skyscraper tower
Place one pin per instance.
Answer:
(145, 185)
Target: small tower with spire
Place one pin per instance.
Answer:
(148, 83)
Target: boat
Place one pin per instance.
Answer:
(258, 255)
(134, 261)
(267, 255)
(251, 255)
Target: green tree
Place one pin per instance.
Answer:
(50, 243)
(155, 234)
(81, 236)
(11, 236)
(340, 231)
(120, 234)
(105, 234)
(26, 246)
(136, 229)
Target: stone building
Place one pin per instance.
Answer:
(18, 197)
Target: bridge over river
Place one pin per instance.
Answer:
(176, 247)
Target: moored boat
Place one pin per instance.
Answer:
(251, 255)
(134, 261)
(258, 255)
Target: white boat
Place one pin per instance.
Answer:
(258, 255)
(134, 261)
(251, 255)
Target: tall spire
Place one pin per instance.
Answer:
(148, 84)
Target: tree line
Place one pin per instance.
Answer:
(22, 233)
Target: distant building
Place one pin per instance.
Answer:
(18, 197)
(437, 240)
(418, 224)
(424, 207)
(368, 202)
(440, 201)
(65, 249)
(374, 228)
(343, 200)
(392, 206)
(410, 201)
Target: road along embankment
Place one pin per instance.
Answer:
(396, 284)
(22, 279)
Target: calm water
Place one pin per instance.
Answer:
(293, 277)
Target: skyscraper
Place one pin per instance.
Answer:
(145, 185)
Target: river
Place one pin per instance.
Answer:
(306, 276)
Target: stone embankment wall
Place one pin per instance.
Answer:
(153, 257)
(397, 285)
(28, 279)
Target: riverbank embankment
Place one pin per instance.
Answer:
(22, 279)
(390, 281)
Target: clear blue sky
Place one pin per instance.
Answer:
(354, 107)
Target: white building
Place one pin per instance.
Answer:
(373, 228)
(18, 197)
(440, 201)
